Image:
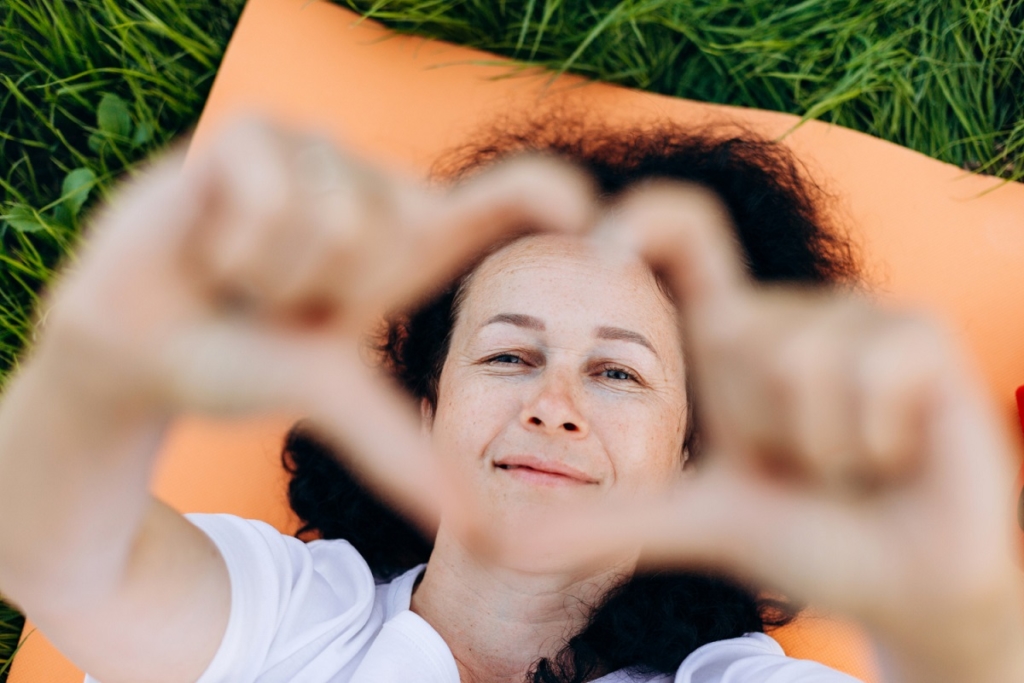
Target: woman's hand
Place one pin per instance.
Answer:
(247, 280)
(282, 233)
(851, 457)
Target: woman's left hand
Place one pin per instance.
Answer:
(248, 280)
(851, 457)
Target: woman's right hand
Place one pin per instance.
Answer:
(852, 459)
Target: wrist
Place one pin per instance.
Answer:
(983, 645)
(87, 389)
(74, 459)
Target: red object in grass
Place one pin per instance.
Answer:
(1020, 478)
(1020, 404)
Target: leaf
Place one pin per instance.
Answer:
(96, 142)
(24, 219)
(62, 216)
(77, 186)
(143, 134)
(113, 117)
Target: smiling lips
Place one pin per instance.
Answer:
(538, 471)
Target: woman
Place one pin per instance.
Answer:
(561, 396)
(653, 620)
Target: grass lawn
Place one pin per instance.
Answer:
(88, 88)
(10, 629)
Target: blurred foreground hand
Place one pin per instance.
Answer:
(248, 280)
(851, 458)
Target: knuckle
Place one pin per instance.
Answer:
(908, 349)
(256, 174)
(808, 358)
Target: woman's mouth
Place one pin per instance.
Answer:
(534, 470)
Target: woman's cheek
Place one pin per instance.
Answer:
(645, 442)
(469, 418)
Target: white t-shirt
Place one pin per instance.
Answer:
(311, 612)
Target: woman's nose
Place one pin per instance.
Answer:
(555, 409)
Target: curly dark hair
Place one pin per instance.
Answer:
(651, 622)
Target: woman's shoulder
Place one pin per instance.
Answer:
(264, 562)
(288, 596)
(234, 535)
(752, 657)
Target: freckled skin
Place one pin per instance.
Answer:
(613, 409)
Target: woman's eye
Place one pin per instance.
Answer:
(506, 358)
(617, 374)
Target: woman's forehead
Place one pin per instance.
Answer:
(559, 277)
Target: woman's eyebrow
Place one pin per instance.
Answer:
(518, 319)
(604, 332)
(622, 334)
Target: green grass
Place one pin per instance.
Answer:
(88, 88)
(943, 78)
(10, 630)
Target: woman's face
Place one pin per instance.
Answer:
(564, 379)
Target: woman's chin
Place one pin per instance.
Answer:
(520, 538)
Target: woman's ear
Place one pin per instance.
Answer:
(426, 416)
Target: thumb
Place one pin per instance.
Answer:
(685, 232)
(227, 366)
(733, 520)
(722, 520)
(444, 233)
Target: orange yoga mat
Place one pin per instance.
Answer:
(931, 235)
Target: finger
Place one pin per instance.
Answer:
(723, 522)
(443, 233)
(378, 427)
(818, 423)
(685, 232)
(523, 194)
(899, 377)
(770, 535)
(341, 200)
(253, 236)
(228, 367)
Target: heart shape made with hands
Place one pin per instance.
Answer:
(836, 430)
(280, 58)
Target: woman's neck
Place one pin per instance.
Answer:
(499, 622)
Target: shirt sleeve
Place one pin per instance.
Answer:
(753, 658)
(294, 605)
